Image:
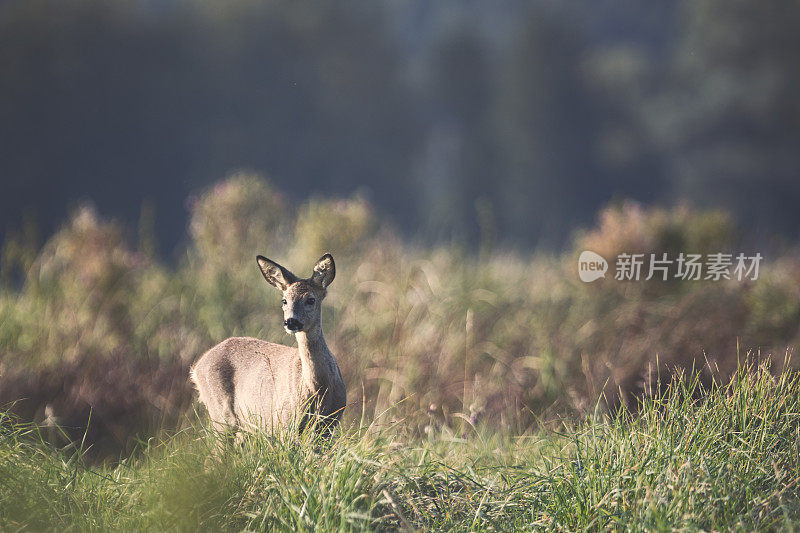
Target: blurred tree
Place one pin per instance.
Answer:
(736, 134)
(460, 148)
(722, 113)
(125, 102)
(528, 118)
(546, 122)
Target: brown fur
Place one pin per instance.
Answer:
(245, 382)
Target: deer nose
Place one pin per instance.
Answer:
(292, 324)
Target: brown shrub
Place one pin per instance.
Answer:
(431, 335)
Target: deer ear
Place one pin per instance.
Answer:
(324, 271)
(276, 275)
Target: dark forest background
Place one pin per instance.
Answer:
(512, 121)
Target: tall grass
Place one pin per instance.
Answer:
(440, 336)
(722, 457)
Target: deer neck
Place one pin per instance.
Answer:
(317, 360)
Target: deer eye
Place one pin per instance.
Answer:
(310, 301)
(283, 301)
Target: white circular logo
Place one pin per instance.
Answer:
(591, 266)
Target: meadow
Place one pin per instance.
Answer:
(725, 458)
(488, 388)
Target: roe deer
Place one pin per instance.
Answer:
(245, 381)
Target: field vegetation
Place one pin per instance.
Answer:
(721, 458)
(487, 388)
